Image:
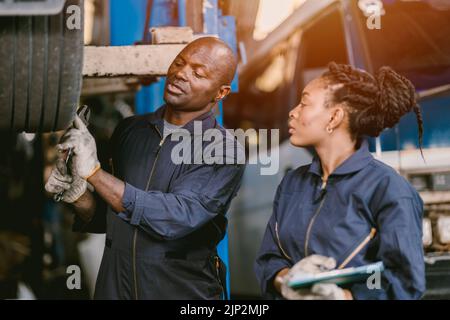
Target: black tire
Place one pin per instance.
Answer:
(40, 71)
(7, 54)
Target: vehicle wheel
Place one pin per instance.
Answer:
(41, 62)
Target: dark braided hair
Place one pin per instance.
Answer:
(374, 102)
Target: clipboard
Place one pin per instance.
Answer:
(339, 277)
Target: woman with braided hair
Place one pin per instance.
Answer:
(346, 209)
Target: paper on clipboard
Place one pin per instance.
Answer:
(348, 275)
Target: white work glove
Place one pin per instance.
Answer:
(84, 161)
(73, 187)
(321, 291)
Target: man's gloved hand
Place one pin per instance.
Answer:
(322, 291)
(73, 187)
(84, 157)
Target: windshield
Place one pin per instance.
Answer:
(414, 39)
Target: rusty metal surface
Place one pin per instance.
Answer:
(171, 35)
(142, 60)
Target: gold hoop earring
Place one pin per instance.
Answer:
(330, 130)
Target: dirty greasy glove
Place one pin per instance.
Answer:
(73, 187)
(84, 162)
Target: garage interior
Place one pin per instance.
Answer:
(113, 56)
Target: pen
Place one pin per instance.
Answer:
(372, 234)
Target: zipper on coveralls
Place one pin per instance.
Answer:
(311, 223)
(136, 229)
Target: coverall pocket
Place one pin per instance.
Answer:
(191, 279)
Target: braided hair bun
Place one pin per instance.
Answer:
(374, 102)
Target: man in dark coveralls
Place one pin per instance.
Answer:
(162, 220)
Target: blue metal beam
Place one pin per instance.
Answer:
(182, 19)
(228, 33)
(211, 17)
(224, 28)
(127, 21)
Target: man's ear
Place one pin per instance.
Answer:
(223, 92)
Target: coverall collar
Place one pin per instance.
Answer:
(208, 120)
(357, 161)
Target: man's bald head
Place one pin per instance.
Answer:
(221, 55)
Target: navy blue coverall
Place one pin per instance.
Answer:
(164, 245)
(361, 194)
